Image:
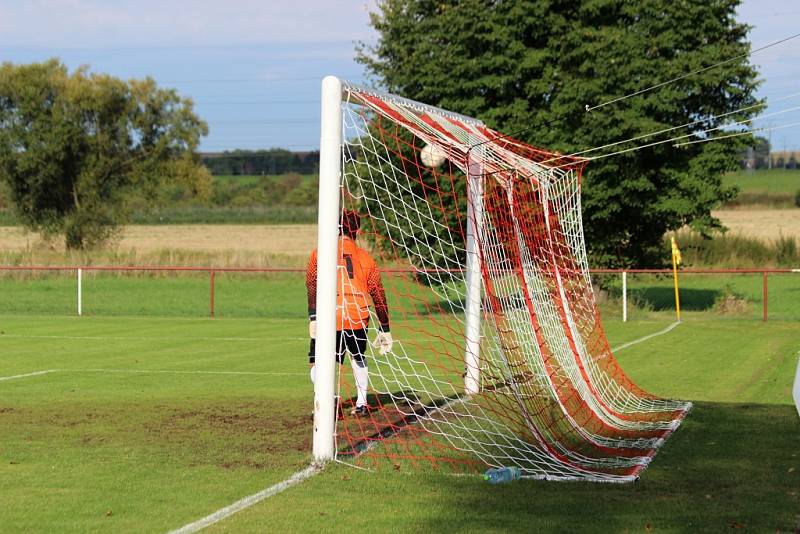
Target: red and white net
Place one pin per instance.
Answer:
(552, 398)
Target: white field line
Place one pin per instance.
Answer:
(248, 501)
(179, 372)
(153, 338)
(645, 338)
(37, 373)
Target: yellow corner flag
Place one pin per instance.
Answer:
(676, 253)
(676, 260)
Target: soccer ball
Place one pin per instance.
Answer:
(432, 156)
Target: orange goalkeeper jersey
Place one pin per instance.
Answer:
(358, 280)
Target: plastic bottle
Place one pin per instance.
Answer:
(502, 475)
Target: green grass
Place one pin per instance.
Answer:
(246, 199)
(254, 179)
(201, 214)
(774, 188)
(84, 450)
(193, 214)
(733, 464)
(765, 181)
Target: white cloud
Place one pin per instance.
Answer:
(97, 23)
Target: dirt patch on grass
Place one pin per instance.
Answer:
(254, 434)
(235, 435)
(767, 224)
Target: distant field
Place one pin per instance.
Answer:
(251, 179)
(766, 181)
(761, 223)
(765, 188)
(269, 199)
(214, 245)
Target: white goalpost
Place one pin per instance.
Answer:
(330, 165)
(500, 357)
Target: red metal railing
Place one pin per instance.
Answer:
(213, 270)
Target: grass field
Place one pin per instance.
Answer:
(776, 188)
(773, 181)
(148, 423)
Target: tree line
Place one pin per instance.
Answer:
(261, 162)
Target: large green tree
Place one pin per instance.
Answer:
(531, 68)
(74, 146)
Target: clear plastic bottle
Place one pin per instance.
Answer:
(502, 475)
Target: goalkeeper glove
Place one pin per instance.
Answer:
(383, 342)
(312, 329)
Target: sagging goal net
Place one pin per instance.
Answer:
(499, 354)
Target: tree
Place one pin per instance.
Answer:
(73, 147)
(529, 68)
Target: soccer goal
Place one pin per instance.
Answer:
(499, 355)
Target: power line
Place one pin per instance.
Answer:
(704, 69)
(641, 91)
(656, 143)
(765, 129)
(673, 128)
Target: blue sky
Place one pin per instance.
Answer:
(253, 67)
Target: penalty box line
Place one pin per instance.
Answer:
(37, 373)
(248, 501)
(645, 338)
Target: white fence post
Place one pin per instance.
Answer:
(624, 296)
(80, 291)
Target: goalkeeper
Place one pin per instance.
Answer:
(358, 280)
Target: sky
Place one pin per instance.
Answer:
(253, 67)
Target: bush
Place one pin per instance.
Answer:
(797, 198)
(729, 302)
(786, 248)
(736, 251)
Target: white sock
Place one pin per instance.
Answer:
(362, 381)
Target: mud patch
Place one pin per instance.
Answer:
(229, 435)
(251, 434)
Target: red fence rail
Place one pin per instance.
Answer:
(212, 271)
